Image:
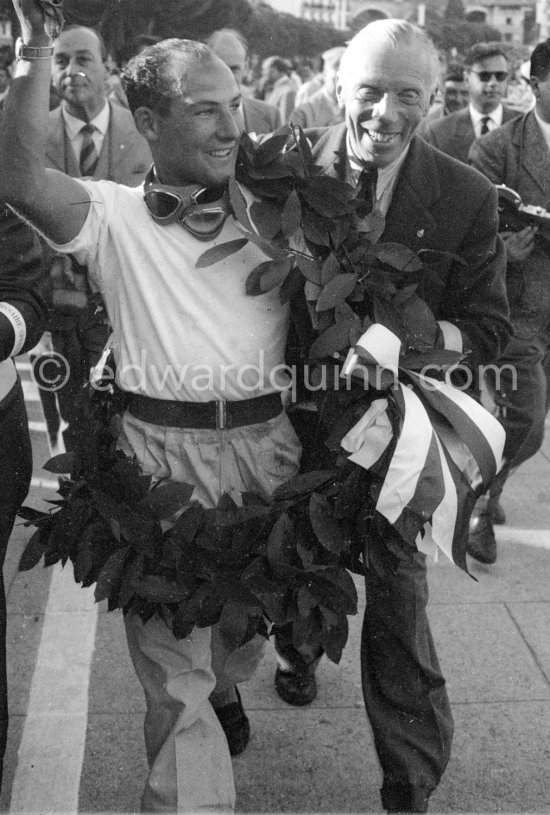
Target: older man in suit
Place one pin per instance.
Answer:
(518, 155)
(386, 82)
(22, 319)
(486, 75)
(87, 136)
(231, 47)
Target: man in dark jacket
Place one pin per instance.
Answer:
(22, 320)
(429, 201)
(486, 76)
(518, 155)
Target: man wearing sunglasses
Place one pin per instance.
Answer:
(518, 155)
(197, 356)
(486, 72)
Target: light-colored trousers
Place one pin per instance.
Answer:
(189, 763)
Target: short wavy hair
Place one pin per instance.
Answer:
(156, 76)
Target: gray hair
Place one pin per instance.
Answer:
(397, 33)
(156, 76)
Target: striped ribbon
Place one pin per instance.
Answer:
(448, 447)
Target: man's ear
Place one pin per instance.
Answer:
(146, 123)
(339, 97)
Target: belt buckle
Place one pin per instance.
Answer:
(221, 414)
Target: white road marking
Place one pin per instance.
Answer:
(54, 735)
(538, 538)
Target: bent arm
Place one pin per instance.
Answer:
(475, 296)
(53, 202)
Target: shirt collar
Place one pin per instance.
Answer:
(385, 174)
(495, 115)
(74, 125)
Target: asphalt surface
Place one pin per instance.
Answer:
(76, 709)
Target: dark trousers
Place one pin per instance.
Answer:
(521, 396)
(403, 688)
(15, 478)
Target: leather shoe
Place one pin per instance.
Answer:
(498, 516)
(235, 724)
(481, 539)
(297, 688)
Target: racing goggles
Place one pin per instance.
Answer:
(200, 210)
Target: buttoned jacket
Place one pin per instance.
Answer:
(453, 134)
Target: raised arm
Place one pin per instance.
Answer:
(55, 203)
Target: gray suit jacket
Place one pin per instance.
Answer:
(125, 155)
(259, 117)
(454, 134)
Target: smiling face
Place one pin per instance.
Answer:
(455, 95)
(197, 141)
(79, 74)
(385, 90)
(487, 94)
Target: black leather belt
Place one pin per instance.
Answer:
(218, 414)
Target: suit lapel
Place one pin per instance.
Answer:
(535, 156)
(55, 146)
(409, 220)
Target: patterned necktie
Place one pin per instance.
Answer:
(88, 152)
(485, 125)
(365, 190)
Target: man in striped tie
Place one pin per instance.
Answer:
(89, 137)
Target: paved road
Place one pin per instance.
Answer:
(75, 742)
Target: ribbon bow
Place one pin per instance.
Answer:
(449, 447)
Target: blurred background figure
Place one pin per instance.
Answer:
(455, 94)
(279, 88)
(322, 108)
(232, 48)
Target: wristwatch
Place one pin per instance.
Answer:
(31, 52)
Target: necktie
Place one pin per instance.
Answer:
(365, 190)
(88, 152)
(485, 125)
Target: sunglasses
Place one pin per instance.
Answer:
(201, 211)
(485, 76)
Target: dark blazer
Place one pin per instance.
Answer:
(125, 159)
(517, 155)
(454, 134)
(439, 203)
(21, 272)
(259, 117)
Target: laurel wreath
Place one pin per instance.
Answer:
(149, 547)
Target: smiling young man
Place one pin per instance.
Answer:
(486, 70)
(198, 411)
(430, 202)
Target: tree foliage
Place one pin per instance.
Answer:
(461, 36)
(454, 11)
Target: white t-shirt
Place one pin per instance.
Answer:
(180, 333)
